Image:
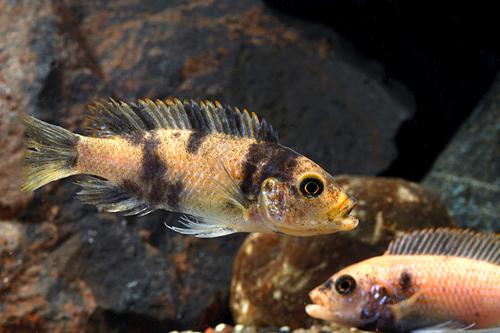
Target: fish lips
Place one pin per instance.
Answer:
(346, 223)
(323, 312)
(348, 204)
(320, 312)
(324, 307)
(343, 220)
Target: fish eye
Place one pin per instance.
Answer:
(345, 284)
(311, 187)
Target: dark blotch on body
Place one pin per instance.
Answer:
(405, 281)
(158, 189)
(264, 160)
(172, 192)
(135, 138)
(163, 191)
(132, 187)
(152, 164)
(195, 140)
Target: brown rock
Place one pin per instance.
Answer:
(466, 176)
(108, 275)
(57, 56)
(35, 294)
(22, 71)
(273, 274)
(299, 75)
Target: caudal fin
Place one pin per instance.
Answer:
(51, 154)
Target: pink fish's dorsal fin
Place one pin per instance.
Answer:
(449, 242)
(109, 117)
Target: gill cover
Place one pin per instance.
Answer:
(272, 202)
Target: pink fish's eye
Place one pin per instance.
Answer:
(345, 285)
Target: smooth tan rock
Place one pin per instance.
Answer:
(273, 274)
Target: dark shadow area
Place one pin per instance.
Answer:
(102, 321)
(447, 54)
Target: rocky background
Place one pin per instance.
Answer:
(363, 89)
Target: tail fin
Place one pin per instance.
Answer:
(51, 154)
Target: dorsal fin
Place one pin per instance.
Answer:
(451, 242)
(115, 118)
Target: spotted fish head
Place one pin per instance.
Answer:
(357, 296)
(305, 202)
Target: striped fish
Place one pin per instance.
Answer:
(425, 278)
(221, 167)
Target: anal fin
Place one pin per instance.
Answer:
(110, 198)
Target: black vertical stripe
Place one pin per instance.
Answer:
(405, 281)
(264, 160)
(195, 140)
(158, 188)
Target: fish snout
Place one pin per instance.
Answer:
(318, 297)
(319, 308)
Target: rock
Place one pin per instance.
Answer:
(144, 276)
(274, 274)
(26, 61)
(109, 274)
(78, 270)
(34, 295)
(297, 74)
(466, 175)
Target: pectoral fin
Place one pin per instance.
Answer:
(232, 191)
(406, 307)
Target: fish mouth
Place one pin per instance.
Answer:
(319, 308)
(319, 312)
(324, 313)
(325, 308)
(348, 204)
(345, 221)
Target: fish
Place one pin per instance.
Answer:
(425, 278)
(223, 169)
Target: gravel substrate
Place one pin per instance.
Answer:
(225, 328)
